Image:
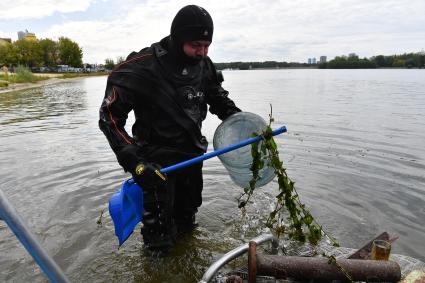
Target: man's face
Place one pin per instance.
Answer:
(196, 49)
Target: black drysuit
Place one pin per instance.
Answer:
(170, 101)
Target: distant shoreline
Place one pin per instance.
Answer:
(271, 68)
(55, 79)
(24, 86)
(316, 67)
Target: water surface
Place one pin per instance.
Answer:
(354, 147)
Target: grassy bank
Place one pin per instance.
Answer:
(24, 75)
(21, 75)
(76, 75)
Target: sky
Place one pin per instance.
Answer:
(244, 30)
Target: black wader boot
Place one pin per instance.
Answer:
(186, 222)
(188, 198)
(158, 231)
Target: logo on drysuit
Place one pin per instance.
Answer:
(139, 169)
(193, 103)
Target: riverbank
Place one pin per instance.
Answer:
(54, 79)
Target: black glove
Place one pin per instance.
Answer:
(147, 175)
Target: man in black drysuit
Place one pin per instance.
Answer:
(169, 86)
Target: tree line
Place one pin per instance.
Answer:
(259, 65)
(110, 64)
(41, 53)
(50, 53)
(407, 60)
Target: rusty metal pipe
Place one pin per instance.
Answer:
(319, 268)
(212, 270)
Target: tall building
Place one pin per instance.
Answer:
(323, 59)
(26, 35)
(21, 35)
(312, 61)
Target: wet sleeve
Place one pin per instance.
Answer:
(116, 105)
(217, 97)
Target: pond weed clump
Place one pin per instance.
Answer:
(288, 208)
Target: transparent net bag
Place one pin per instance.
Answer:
(234, 129)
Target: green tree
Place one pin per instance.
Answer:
(380, 61)
(8, 55)
(410, 62)
(109, 64)
(421, 60)
(244, 65)
(50, 52)
(70, 53)
(352, 62)
(398, 62)
(416, 60)
(120, 59)
(3, 54)
(28, 53)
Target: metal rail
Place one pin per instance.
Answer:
(28, 240)
(212, 270)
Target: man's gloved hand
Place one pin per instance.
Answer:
(147, 175)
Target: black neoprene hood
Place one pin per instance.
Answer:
(192, 23)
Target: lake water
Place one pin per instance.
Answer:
(354, 147)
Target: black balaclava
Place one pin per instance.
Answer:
(191, 23)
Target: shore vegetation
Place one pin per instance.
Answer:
(22, 75)
(353, 61)
(259, 65)
(407, 60)
(76, 75)
(41, 53)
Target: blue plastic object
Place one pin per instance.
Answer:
(126, 209)
(126, 206)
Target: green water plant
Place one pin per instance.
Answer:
(333, 261)
(23, 74)
(290, 216)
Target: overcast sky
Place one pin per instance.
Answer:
(245, 30)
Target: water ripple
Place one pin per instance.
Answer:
(354, 148)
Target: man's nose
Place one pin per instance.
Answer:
(202, 51)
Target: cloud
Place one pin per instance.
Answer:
(28, 9)
(254, 30)
(297, 30)
(131, 30)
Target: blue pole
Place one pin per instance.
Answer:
(209, 155)
(17, 225)
(124, 206)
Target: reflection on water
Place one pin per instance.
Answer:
(41, 103)
(354, 147)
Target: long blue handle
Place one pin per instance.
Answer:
(126, 206)
(209, 155)
(28, 240)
